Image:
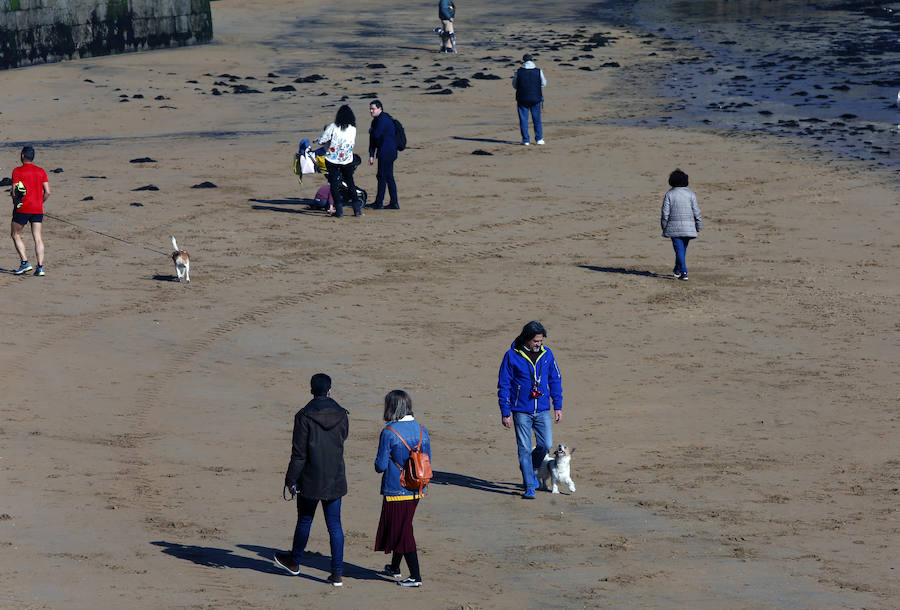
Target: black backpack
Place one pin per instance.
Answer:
(399, 134)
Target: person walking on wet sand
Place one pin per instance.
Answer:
(529, 378)
(30, 189)
(680, 220)
(446, 13)
(383, 144)
(529, 82)
(316, 474)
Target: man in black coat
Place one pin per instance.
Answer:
(316, 473)
(383, 144)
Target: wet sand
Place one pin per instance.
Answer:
(735, 435)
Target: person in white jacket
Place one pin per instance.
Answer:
(339, 138)
(680, 219)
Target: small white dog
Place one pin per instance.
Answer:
(557, 469)
(182, 262)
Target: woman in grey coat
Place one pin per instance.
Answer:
(680, 219)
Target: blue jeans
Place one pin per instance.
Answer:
(525, 423)
(535, 118)
(680, 244)
(306, 509)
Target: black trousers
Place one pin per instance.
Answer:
(385, 177)
(336, 175)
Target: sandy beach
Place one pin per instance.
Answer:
(736, 435)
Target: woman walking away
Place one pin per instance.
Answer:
(339, 138)
(395, 528)
(680, 219)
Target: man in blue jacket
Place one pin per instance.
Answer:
(529, 378)
(383, 144)
(529, 81)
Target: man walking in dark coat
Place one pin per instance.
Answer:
(383, 144)
(316, 473)
(529, 81)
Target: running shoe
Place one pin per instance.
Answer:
(25, 266)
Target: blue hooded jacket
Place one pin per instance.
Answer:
(518, 376)
(391, 452)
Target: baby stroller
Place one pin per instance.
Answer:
(307, 161)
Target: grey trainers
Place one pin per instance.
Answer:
(285, 561)
(25, 266)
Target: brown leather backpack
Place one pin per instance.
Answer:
(416, 473)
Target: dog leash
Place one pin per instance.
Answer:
(107, 235)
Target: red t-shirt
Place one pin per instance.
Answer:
(33, 177)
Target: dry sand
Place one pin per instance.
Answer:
(736, 435)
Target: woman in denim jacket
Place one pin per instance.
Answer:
(395, 528)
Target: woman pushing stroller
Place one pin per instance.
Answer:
(339, 138)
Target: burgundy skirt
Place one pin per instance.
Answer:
(395, 528)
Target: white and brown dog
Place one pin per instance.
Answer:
(557, 468)
(182, 262)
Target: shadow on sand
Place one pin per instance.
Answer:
(214, 557)
(461, 480)
(273, 205)
(161, 277)
(488, 140)
(623, 271)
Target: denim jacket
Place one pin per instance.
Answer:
(392, 452)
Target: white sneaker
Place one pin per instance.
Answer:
(525, 144)
(540, 142)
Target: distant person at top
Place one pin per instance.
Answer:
(680, 219)
(30, 189)
(529, 81)
(446, 13)
(383, 144)
(339, 138)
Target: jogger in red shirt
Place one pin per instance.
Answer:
(29, 208)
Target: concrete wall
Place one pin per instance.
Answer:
(37, 31)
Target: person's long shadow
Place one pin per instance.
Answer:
(462, 480)
(272, 206)
(214, 557)
(623, 271)
(488, 140)
(319, 562)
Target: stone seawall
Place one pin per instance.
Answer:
(38, 31)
